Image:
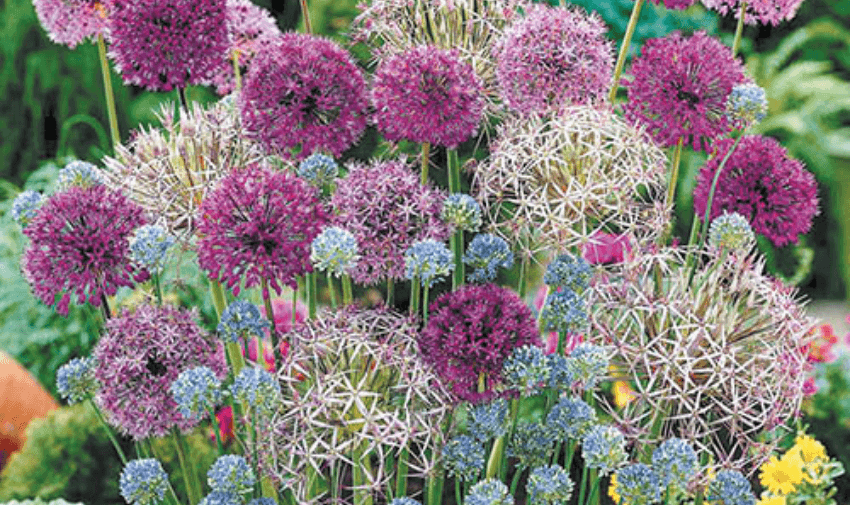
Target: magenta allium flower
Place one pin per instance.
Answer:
(425, 94)
(471, 332)
(163, 44)
(758, 11)
(80, 245)
(676, 4)
(247, 25)
(304, 94)
(776, 194)
(139, 357)
(70, 22)
(259, 224)
(554, 57)
(387, 210)
(679, 88)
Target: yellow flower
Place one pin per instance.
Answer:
(810, 450)
(623, 394)
(612, 490)
(780, 476)
(771, 500)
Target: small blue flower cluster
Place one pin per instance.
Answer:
(549, 485)
(196, 391)
(462, 212)
(746, 104)
(489, 492)
(256, 388)
(78, 173)
(526, 369)
(230, 474)
(675, 461)
(241, 317)
(429, 260)
(589, 363)
(604, 448)
(488, 420)
(149, 246)
(568, 271)
(26, 206)
(731, 232)
(143, 482)
(484, 255)
(567, 277)
(318, 170)
(730, 487)
(463, 457)
(531, 444)
(75, 380)
(570, 419)
(334, 250)
(638, 483)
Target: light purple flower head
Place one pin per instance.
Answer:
(70, 22)
(163, 44)
(138, 358)
(427, 94)
(554, 57)
(759, 11)
(247, 25)
(304, 94)
(675, 4)
(679, 89)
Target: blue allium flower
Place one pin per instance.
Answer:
(428, 259)
(638, 483)
(75, 380)
(589, 363)
(570, 418)
(489, 492)
(675, 461)
(262, 501)
(568, 271)
(746, 104)
(149, 246)
(526, 369)
(730, 487)
(604, 448)
(563, 312)
(221, 498)
(242, 317)
(196, 391)
(462, 212)
(143, 482)
(731, 232)
(25, 206)
(231, 474)
(488, 420)
(532, 444)
(484, 255)
(78, 173)
(404, 501)
(561, 371)
(256, 388)
(549, 485)
(463, 457)
(318, 169)
(335, 250)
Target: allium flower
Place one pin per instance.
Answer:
(554, 57)
(256, 388)
(549, 485)
(429, 261)
(604, 448)
(75, 380)
(485, 254)
(78, 173)
(387, 210)
(570, 419)
(404, 501)
(746, 105)
(196, 391)
(561, 369)
(489, 492)
(564, 312)
(231, 474)
(262, 501)
(143, 482)
(318, 169)
(638, 483)
(731, 232)
(680, 86)
(258, 225)
(239, 318)
(70, 22)
(675, 462)
(675, 4)
(488, 420)
(526, 369)
(463, 458)
(553, 184)
(764, 12)
(149, 246)
(532, 444)
(462, 212)
(426, 94)
(25, 207)
(729, 487)
(589, 364)
(568, 271)
(304, 94)
(606, 248)
(140, 356)
(79, 245)
(335, 251)
(163, 44)
(776, 194)
(469, 335)
(220, 498)
(247, 25)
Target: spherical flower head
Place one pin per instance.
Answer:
(606, 248)
(730, 487)
(680, 87)
(25, 206)
(335, 251)
(570, 419)
(489, 492)
(564, 311)
(731, 232)
(549, 485)
(429, 261)
(568, 271)
(484, 255)
(231, 474)
(262, 501)
(70, 22)
(387, 209)
(462, 212)
(149, 246)
(247, 26)
(561, 368)
(470, 334)
(143, 482)
(746, 105)
(782, 475)
(318, 169)
(488, 420)
(304, 94)
(776, 194)
(78, 173)
(463, 458)
(141, 354)
(675, 4)
(675, 462)
(426, 94)
(638, 483)
(604, 448)
(526, 369)
(166, 44)
(404, 501)
(221, 498)
(75, 380)
(532, 444)
(240, 318)
(589, 363)
(554, 57)
(79, 245)
(258, 225)
(257, 389)
(765, 12)
(196, 391)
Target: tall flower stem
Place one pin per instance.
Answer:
(426, 155)
(278, 356)
(234, 353)
(414, 295)
(674, 170)
(190, 477)
(312, 294)
(425, 304)
(523, 270)
(347, 296)
(237, 75)
(454, 170)
(457, 248)
(401, 474)
(624, 50)
(305, 13)
(739, 30)
(360, 466)
(214, 425)
(108, 91)
(390, 292)
(109, 433)
(331, 289)
(713, 189)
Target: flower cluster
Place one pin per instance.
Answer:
(746, 105)
(70, 22)
(731, 232)
(462, 212)
(78, 173)
(241, 318)
(485, 255)
(256, 388)
(765, 12)
(247, 26)
(149, 246)
(335, 251)
(25, 206)
(75, 380)
(143, 482)
(196, 391)
(318, 169)
(429, 261)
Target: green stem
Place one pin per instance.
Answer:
(458, 495)
(523, 268)
(305, 13)
(426, 150)
(515, 481)
(390, 292)
(214, 424)
(157, 286)
(414, 295)
(360, 466)
(312, 294)
(332, 290)
(457, 249)
(217, 292)
(425, 304)
(434, 489)
(190, 477)
(593, 498)
(111, 435)
(674, 170)
(347, 297)
(568, 457)
(583, 487)
(237, 75)
(234, 353)
(278, 356)
(184, 100)
(624, 50)
(454, 170)
(494, 462)
(108, 91)
(401, 474)
(739, 30)
(710, 201)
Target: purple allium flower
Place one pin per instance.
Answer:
(554, 56)
(259, 224)
(776, 194)
(80, 245)
(140, 356)
(427, 94)
(679, 88)
(163, 44)
(70, 22)
(247, 25)
(470, 334)
(304, 94)
(759, 11)
(387, 209)
(675, 4)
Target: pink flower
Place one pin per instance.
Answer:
(605, 248)
(759, 11)
(247, 25)
(70, 22)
